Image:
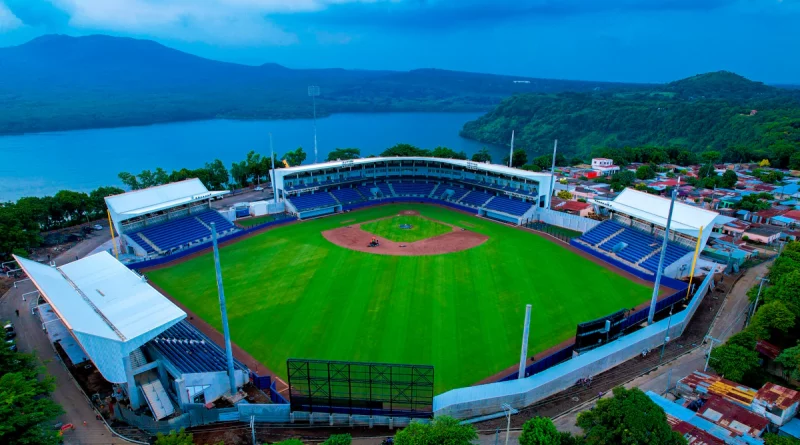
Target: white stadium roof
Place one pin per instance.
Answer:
(655, 209)
(496, 168)
(109, 308)
(153, 199)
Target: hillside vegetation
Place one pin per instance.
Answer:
(713, 111)
(60, 83)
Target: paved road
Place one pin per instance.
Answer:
(31, 338)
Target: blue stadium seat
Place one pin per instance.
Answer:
(638, 244)
(182, 231)
(413, 188)
(509, 205)
(310, 201)
(475, 198)
(347, 195)
(191, 351)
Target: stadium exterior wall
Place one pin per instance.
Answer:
(484, 400)
(565, 220)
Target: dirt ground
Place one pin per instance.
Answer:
(355, 238)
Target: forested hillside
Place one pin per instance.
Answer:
(714, 111)
(59, 83)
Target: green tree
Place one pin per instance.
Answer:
(482, 156)
(733, 362)
(175, 438)
(217, 175)
(74, 204)
(520, 158)
(254, 165)
(447, 153)
(706, 171)
(129, 180)
(339, 439)
(787, 291)
(711, 156)
(773, 315)
(296, 157)
(239, 172)
(563, 194)
(789, 359)
(26, 409)
(405, 150)
(97, 202)
(630, 417)
(774, 439)
(645, 172)
(729, 179)
(531, 168)
(288, 442)
(622, 179)
(343, 154)
(539, 431)
(441, 430)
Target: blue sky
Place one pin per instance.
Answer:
(626, 40)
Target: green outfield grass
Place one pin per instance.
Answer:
(249, 222)
(291, 293)
(421, 228)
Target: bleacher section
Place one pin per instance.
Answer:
(179, 232)
(384, 189)
(191, 351)
(458, 192)
(157, 399)
(413, 188)
(347, 196)
(366, 191)
(639, 245)
(310, 201)
(508, 205)
(476, 198)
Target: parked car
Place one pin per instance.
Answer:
(97, 227)
(10, 335)
(258, 188)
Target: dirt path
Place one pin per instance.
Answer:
(355, 238)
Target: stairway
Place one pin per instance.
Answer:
(488, 201)
(137, 358)
(433, 192)
(389, 184)
(465, 195)
(203, 223)
(335, 198)
(606, 239)
(648, 256)
(152, 244)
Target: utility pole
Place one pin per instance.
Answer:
(523, 356)
(711, 341)
(553, 174)
(666, 336)
(223, 312)
(663, 255)
(313, 91)
(509, 411)
(511, 151)
(274, 186)
(758, 296)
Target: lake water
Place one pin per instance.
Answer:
(82, 160)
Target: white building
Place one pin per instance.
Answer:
(604, 166)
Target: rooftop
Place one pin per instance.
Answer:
(109, 308)
(655, 209)
(153, 199)
(703, 383)
(733, 417)
(777, 395)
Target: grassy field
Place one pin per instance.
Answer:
(421, 228)
(291, 293)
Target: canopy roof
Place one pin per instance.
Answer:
(655, 209)
(153, 199)
(109, 308)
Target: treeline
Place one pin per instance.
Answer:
(742, 120)
(22, 222)
(775, 320)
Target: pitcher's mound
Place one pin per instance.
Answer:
(354, 238)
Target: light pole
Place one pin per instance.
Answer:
(753, 311)
(711, 341)
(313, 91)
(652, 314)
(509, 412)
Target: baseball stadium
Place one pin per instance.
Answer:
(418, 265)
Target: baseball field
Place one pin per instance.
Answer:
(293, 293)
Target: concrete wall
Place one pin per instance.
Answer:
(482, 400)
(566, 220)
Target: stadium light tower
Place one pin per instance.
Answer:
(651, 315)
(223, 311)
(313, 91)
(526, 329)
(511, 151)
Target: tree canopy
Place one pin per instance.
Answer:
(442, 430)
(628, 418)
(26, 411)
(343, 154)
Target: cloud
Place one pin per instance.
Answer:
(8, 20)
(210, 21)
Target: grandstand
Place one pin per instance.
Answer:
(163, 219)
(495, 191)
(138, 340)
(634, 232)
